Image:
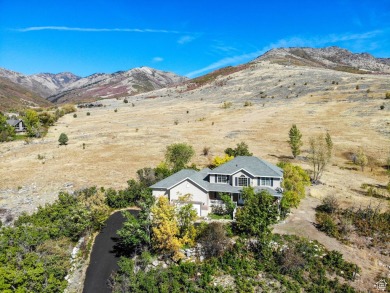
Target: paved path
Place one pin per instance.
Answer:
(103, 257)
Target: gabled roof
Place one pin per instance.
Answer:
(13, 122)
(174, 179)
(255, 166)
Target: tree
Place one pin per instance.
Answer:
(186, 216)
(294, 181)
(258, 213)
(221, 160)
(320, 153)
(361, 159)
(178, 155)
(329, 144)
(214, 240)
(295, 140)
(165, 229)
(6, 130)
(31, 120)
(135, 232)
(240, 150)
(229, 204)
(63, 139)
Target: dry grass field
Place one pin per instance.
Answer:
(117, 144)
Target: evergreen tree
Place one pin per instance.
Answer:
(295, 140)
(63, 139)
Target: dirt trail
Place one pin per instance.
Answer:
(301, 223)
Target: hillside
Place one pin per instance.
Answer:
(43, 84)
(14, 97)
(118, 84)
(330, 57)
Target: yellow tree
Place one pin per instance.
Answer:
(221, 160)
(165, 229)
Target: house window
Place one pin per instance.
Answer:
(242, 181)
(266, 181)
(222, 179)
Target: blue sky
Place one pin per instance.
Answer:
(85, 37)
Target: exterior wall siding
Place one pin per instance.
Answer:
(187, 187)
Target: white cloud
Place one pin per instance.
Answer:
(186, 39)
(158, 59)
(288, 42)
(78, 29)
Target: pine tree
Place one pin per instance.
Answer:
(295, 140)
(63, 139)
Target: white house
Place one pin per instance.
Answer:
(206, 185)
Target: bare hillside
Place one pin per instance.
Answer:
(330, 57)
(16, 97)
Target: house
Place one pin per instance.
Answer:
(18, 124)
(205, 186)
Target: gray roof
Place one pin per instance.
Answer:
(174, 179)
(255, 166)
(13, 122)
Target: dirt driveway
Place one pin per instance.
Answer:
(301, 223)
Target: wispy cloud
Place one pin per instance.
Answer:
(80, 29)
(186, 39)
(288, 42)
(158, 59)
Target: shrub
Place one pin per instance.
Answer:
(226, 105)
(387, 96)
(327, 224)
(357, 87)
(74, 115)
(214, 240)
(63, 139)
(382, 107)
(247, 104)
(88, 114)
(68, 108)
(116, 110)
(330, 204)
(125, 101)
(206, 151)
(176, 122)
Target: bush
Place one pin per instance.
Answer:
(68, 108)
(88, 114)
(63, 139)
(330, 205)
(387, 96)
(247, 104)
(226, 105)
(75, 115)
(326, 223)
(125, 101)
(214, 240)
(206, 151)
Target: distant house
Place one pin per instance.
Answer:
(205, 186)
(18, 124)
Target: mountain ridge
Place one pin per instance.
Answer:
(333, 57)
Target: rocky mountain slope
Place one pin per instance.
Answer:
(43, 84)
(14, 97)
(330, 57)
(67, 87)
(118, 84)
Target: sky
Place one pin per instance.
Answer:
(189, 38)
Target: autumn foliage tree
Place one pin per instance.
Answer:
(217, 161)
(294, 181)
(165, 227)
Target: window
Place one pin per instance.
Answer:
(242, 181)
(222, 179)
(266, 181)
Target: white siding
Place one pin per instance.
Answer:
(240, 173)
(187, 187)
(159, 192)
